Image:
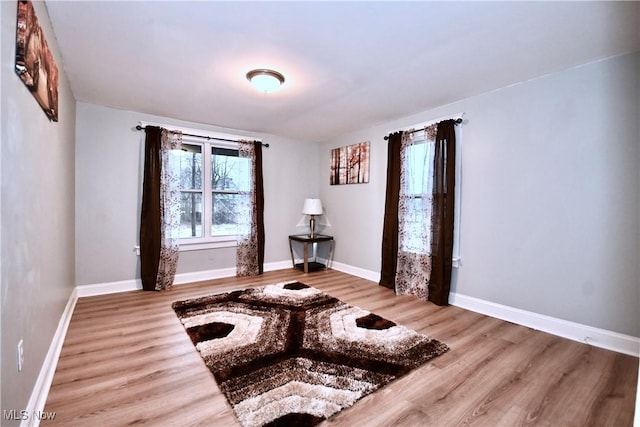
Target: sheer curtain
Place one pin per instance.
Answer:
(160, 215)
(417, 245)
(414, 213)
(250, 209)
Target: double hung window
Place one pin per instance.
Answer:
(417, 199)
(212, 176)
(417, 189)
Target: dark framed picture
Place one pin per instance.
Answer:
(34, 61)
(350, 164)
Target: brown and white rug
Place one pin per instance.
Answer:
(289, 354)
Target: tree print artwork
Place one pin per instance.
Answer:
(350, 164)
(34, 61)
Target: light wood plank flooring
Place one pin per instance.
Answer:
(126, 360)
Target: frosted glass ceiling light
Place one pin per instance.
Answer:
(265, 80)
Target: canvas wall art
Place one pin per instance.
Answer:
(350, 164)
(34, 61)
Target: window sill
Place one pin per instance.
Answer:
(214, 244)
(221, 242)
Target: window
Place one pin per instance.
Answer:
(209, 189)
(191, 191)
(229, 176)
(418, 170)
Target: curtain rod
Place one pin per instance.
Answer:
(138, 127)
(456, 121)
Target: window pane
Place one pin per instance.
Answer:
(228, 171)
(224, 214)
(191, 215)
(416, 196)
(418, 167)
(191, 167)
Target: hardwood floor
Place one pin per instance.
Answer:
(127, 360)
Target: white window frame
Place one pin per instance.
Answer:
(410, 245)
(456, 259)
(207, 140)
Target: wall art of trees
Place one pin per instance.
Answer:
(34, 62)
(350, 164)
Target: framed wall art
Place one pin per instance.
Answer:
(34, 61)
(350, 164)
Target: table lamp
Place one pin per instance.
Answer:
(312, 207)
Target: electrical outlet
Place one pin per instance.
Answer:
(20, 356)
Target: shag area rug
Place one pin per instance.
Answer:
(289, 354)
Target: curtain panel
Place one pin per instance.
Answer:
(250, 214)
(150, 215)
(442, 213)
(390, 226)
(160, 211)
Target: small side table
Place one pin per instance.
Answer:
(305, 239)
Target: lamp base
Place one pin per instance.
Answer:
(312, 227)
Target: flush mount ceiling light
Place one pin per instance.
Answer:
(265, 80)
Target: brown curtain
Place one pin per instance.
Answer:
(259, 205)
(390, 226)
(442, 214)
(150, 218)
(160, 216)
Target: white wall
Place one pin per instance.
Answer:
(37, 215)
(550, 201)
(109, 161)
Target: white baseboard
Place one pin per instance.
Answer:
(47, 370)
(108, 288)
(563, 328)
(374, 276)
(597, 337)
(180, 279)
(199, 276)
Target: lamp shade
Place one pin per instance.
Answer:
(312, 207)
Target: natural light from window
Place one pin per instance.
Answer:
(208, 205)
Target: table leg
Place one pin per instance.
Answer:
(293, 261)
(306, 256)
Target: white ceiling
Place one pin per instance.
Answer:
(348, 65)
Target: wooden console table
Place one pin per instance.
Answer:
(305, 239)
